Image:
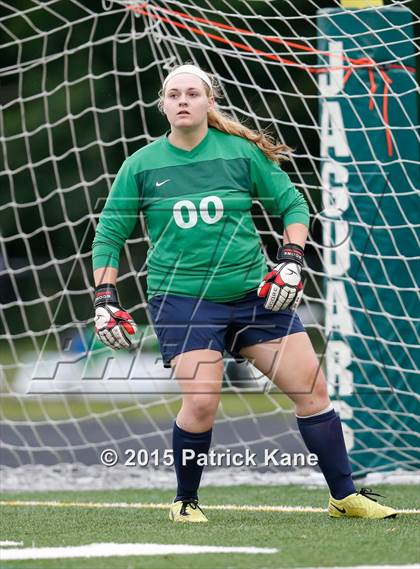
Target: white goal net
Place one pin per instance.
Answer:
(80, 84)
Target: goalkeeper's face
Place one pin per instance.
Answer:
(186, 102)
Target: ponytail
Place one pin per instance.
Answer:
(275, 152)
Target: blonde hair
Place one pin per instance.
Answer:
(225, 123)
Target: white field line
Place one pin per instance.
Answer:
(415, 566)
(10, 543)
(123, 550)
(144, 506)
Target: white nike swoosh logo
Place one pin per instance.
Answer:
(161, 183)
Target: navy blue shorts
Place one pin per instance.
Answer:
(185, 323)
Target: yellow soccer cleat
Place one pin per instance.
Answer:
(186, 511)
(359, 505)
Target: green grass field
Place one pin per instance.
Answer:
(303, 539)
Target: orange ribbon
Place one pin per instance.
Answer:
(371, 65)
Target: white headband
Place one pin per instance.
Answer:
(193, 70)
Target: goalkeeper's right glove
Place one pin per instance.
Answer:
(113, 325)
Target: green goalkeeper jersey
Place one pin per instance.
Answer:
(197, 207)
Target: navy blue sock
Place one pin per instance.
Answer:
(189, 474)
(323, 436)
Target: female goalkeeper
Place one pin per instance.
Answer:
(206, 286)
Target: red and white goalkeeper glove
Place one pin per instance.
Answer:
(282, 287)
(113, 325)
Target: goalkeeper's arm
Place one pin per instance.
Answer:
(113, 325)
(105, 275)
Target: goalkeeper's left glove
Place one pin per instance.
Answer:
(113, 325)
(282, 287)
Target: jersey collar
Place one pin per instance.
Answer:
(185, 153)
